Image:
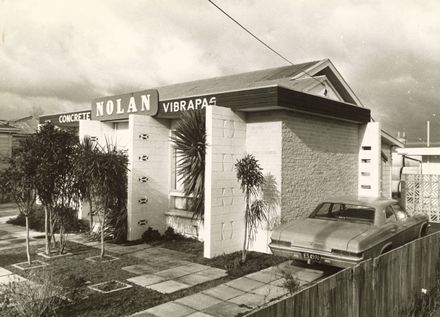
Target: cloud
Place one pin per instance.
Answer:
(60, 55)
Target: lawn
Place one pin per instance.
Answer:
(76, 270)
(231, 262)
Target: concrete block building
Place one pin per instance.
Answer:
(311, 135)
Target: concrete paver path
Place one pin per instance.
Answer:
(235, 297)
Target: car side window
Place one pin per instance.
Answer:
(322, 210)
(336, 208)
(400, 212)
(389, 214)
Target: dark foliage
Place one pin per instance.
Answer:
(171, 235)
(36, 221)
(151, 235)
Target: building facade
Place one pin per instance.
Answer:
(312, 137)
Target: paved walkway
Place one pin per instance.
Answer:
(10, 235)
(7, 276)
(234, 297)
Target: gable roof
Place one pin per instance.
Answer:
(300, 77)
(254, 79)
(27, 125)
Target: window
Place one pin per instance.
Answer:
(344, 212)
(336, 207)
(322, 210)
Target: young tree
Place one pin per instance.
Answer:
(19, 180)
(54, 151)
(189, 140)
(86, 169)
(251, 179)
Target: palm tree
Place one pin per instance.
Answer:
(189, 140)
(251, 179)
(110, 189)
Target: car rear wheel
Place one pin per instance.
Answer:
(386, 249)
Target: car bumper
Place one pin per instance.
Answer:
(327, 258)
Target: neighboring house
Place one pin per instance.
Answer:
(312, 136)
(6, 140)
(11, 131)
(428, 158)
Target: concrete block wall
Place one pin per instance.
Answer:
(319, 159)
(263, 139)
(224, 201)
(369, 160)
(149, 138)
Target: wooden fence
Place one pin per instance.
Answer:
(379, 287)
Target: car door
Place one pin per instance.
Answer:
(392, 227)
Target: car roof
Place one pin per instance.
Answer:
(376, 202)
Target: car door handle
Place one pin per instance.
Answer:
(393, 230)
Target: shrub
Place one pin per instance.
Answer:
(171, 235)
(72, 285)
(38, 297)
(36, 221)
(290, 282)
(151, 235)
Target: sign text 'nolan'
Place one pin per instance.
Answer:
(118, 107)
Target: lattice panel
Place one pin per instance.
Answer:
(422, 194)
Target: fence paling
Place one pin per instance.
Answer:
(383, 286)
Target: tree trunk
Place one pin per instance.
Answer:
(91, 214)
(46, 231)
(28, 253)
(243, 254)
(102, 236)
(51, 227)
(61, 240)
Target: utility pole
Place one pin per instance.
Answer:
(427, 132)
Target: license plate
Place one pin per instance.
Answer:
(311, 256)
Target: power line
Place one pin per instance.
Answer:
(266, 45)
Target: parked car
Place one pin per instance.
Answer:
(344, 231)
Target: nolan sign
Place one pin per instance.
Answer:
(118, 107)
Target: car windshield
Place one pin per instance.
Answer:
(344, 212)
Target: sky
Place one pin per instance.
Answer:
(57, 56)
